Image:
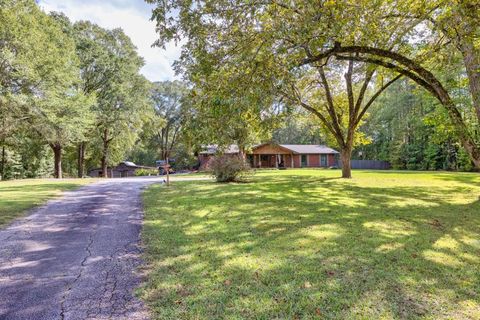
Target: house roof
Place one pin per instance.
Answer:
(128, 164)
(133, 165)
(295, 148)
(213, 148)
(309, 148)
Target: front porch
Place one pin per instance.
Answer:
(272, 160)
(273, 156)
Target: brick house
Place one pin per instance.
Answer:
(209, 152)
(270, 155)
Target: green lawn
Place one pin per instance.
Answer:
(303, 244)
(17, 196)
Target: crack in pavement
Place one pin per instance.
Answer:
(76, 257)
(69, 288)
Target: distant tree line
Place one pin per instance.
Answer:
(407, 128)
(72, 96)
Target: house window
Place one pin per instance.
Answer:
(304, 160)
(323, 160)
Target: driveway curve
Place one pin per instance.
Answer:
(76, 257)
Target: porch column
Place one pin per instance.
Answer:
(276, 161)
(291, 158)
(259, 161)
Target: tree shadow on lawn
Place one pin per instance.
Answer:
(309, 247)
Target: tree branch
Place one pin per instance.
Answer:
(328, 125)
(368, 77)
(330, 103)
(348, 80)
(396, 68)
(374, 97)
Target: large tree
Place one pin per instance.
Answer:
(259, 50)
(170, 99)
(443, 29)
(23, 63)
(99, 66)
(341, 108)
(299, 127)
(123, 102)
(224, 118)
(40, 76)
(109, 70)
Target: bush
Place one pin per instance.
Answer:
(146, 172)
(229, 168)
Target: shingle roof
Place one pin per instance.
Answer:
(309, 148)
(213, 148)
(296, 148)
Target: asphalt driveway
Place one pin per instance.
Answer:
(76, 257)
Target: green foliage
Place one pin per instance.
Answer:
(39, 92)
(146, 172)
(185, 159)
(123, 103)
(223, 118)
(66, 85)
(164, 132)
(299, 127)
(408, 129)
(464, 161)
(229, 168)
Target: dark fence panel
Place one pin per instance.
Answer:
(369, 164)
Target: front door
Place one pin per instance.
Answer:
(304, 160)
(323, 160)
(264, 161)
(281, 161)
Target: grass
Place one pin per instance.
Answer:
(18, 196)
(303, 244)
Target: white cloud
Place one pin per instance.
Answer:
(133, 16)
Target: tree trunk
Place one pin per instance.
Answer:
(345, 156)
(476, 163)
(104, 166)
(472, 66)
(57, 152)
(241, 152)
(81, 160)
(105, 154)
(2, 164)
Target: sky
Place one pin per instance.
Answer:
(133, 16)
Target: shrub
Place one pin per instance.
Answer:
(229, 168)
(145, 172)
